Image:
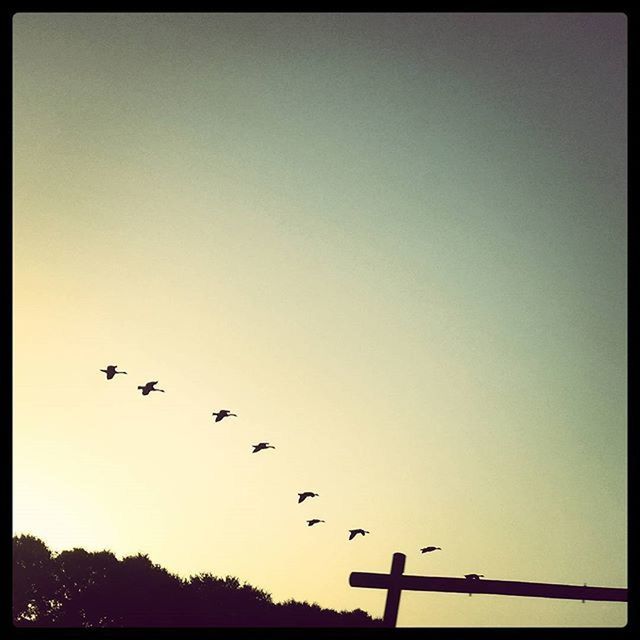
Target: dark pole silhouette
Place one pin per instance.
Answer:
(223, 413)
(150, 387)
(111, 371)
(392, 603)
(396, 581)
(306, 494)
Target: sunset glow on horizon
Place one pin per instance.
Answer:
(394, 245)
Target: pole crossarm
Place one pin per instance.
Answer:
(498, 587)
(396, 582)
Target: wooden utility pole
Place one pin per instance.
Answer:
(395, 582)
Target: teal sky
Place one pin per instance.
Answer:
(394, 244)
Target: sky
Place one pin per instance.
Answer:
(395, 245)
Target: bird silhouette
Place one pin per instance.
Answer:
(223, 413)
(150, 387)
(354, 532)
(473, 576)
(111, 371)
(313, 521)
(260, 446)
(306, 494)
(427, 549)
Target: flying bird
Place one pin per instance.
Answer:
(354, 532)
(150, 387)
(427, 549)
(111, 371)
(260, 446)
(474, 576)
(306, 494)
(313, 521)
(223, 413)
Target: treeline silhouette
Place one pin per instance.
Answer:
(78, 588)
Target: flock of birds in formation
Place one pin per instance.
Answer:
(225, 413)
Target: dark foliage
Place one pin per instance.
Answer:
(94, 589)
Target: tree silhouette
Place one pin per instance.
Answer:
(78, 588)
(225, 602)
(293, 613)
(34, 580)
(83, 577)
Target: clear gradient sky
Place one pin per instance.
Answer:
(394, 244)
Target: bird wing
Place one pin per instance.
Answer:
(352, 534)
